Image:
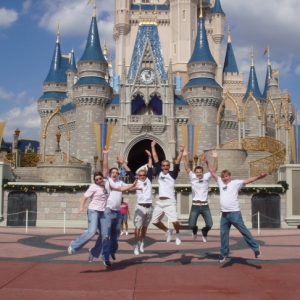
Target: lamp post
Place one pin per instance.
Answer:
(95, 161)
(58, 135)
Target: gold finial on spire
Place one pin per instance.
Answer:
(201, 10)
(229, 36)
(252, 56)
(104, 48)
(94, 9)
(57, 32)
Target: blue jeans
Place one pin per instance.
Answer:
(203, 210)
(113, 220)
(234, 218)
(96, 219)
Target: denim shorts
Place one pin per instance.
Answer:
(124, 217)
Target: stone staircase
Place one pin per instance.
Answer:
(27, 174)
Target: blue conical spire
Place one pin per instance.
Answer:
(55, 73)
(217, 9)
(230, 65)
(201, 50)
(253, 83)
(268, 76)
(93, 49)
(72, 63)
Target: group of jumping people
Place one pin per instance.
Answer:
(106, 199)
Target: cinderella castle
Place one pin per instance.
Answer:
(170, 83)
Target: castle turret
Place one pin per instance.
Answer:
(217, 19)
(202, 92)
(232, 78)
(91, 93)
(268, 76)
(252, 82)
(71, 75)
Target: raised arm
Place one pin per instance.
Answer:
(179, 157)
(154, 154)
(149, 158)
(185, 160)
(214, 154)
(252, 179)
(105, 170)
(121, 160)
(123, 188)
(210, 168)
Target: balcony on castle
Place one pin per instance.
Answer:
(154, 123)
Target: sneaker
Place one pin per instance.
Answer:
(194, 236)
(126, 232)
(70, 250)
(113, 257)
(178, 239)
(91, 257)
(141, 246)
(136, 250)
(204, 237)
(122, 233)
(107, 263)
(169, 235)
(222, 258)
(257, 253)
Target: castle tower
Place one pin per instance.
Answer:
(232, 78)
(91, 93)
(268, 76)
(252, 125)
(217, 20)
(202, 92)
(54, 93)
(71, 76)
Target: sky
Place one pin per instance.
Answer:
(28, 35)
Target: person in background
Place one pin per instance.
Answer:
(125, 215)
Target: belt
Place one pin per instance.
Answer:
(145, 205)
(200, 203)
(228, 212)
(163, 198)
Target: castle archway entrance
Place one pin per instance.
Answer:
(137, 156)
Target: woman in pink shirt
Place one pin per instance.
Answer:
(124, 216)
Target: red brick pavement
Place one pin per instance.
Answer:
(36, 266)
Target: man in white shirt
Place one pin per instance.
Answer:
(143, 208)
(166, 205)
(200, 185)
(230, 207)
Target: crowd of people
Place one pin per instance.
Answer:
(108, 212)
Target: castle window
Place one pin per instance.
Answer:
(57, 101)
(57, 84)
(204, 88)
(91, 62)
(76, 88)
(48, 84)
(180, 108)
(190, 89)
(89, 87)
(113, 107)
(103, 88)
(184, 15)
(45, 101)
(203, 64)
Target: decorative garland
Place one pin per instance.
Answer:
(75, 188)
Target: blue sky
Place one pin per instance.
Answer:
(28, 34)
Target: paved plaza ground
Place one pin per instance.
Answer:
(36, 265)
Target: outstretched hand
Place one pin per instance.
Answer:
(181, 147)
(81, 210)
(105, 150)
(214, 153)
(203, 158)
(121, 160)
(262, 175)
(153, 143)
(148, 152)
(185, 152)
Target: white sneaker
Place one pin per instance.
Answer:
(141, 246)
(126, 232)
(204, 238)
(136, 250)
(169, 235)
(70, 250)
(194, 236)
(178, 239)
(122, 233)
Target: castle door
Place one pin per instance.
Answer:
(268, 206)
(18, 202)
(137, 156)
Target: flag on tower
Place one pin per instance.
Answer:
(89, 2)
(266, 51)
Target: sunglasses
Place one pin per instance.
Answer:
(98, 179)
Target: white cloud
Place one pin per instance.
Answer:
(25, 7)
(26, 119)
(297, 70)
(4, 95)
(9, 96)
(7, 17)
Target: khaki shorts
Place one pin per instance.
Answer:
(166, 207)
(142, 216)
